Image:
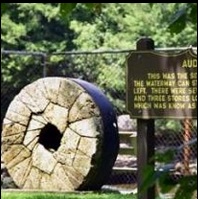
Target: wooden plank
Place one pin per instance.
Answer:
(124, 169)
(126, 151)
(130, 138)
(127, 133)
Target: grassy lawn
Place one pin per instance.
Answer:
(31, 195)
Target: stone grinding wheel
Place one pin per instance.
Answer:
(60, 134)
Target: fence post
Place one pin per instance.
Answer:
(145, 139)
(186, 150)
(44, 64)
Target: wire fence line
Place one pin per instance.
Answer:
(106, 69)
(89, 52)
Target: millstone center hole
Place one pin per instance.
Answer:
(50, 137)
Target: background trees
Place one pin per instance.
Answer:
(118, 25)
(41, 27)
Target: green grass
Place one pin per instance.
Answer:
(30, 195)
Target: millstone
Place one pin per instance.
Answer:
(60, 134)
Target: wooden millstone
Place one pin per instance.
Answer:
(60, 134)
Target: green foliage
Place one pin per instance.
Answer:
(161, 178)
(167, 156)
(66, 8)
(184, 14)
(183, 188)
(168, 125)
(188, 186)
(188, 12)
(122, 24)
(149, 179)
(179, 21)
(4, 7)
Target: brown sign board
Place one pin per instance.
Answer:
(162, 84)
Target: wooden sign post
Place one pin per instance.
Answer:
(159, 85)
(145, 139)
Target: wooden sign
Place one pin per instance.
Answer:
(162, 85)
